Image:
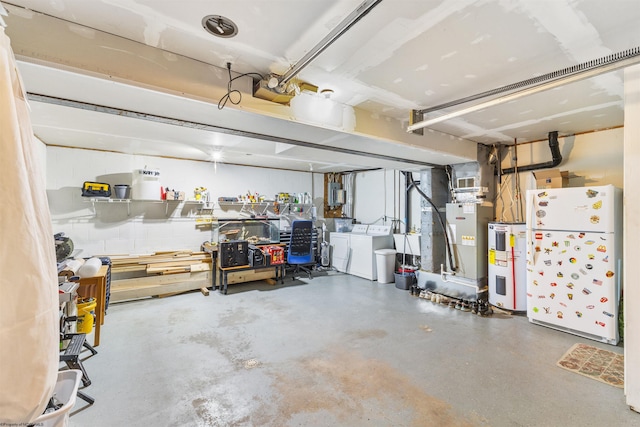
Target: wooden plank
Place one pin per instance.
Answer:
(170, 294)
(185, 263)
(127, 268)
(250, 275)
(270, 281)
(170, 270)
(149, 281)
(134, 293)
(204, 291)
(200, 267)
(174, 252)
(146, 259)
(155, 260)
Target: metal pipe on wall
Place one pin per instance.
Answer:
(556, 158)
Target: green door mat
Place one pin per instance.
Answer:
(602, 365)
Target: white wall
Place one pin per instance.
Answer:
(591, 159)
(380, 199)
(108, 228)
(631, 230)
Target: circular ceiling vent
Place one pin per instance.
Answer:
(219, 26)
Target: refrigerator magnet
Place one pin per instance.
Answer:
(540, 213)
(609, 273)
(597, 282)
(578, 313)
(595, 219)
(597, 205)
(591, 193)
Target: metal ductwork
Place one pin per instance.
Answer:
(556, 157)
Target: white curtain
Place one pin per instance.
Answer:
(29, 318)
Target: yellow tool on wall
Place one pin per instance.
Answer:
(96, 189)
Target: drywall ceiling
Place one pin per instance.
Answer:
(154, 57)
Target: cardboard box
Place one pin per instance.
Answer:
(551, 178)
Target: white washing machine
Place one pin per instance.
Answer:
(354, 252)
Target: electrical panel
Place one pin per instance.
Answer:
(335, 194)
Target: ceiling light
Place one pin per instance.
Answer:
(327, 93)
(219, 26)
(273, 82)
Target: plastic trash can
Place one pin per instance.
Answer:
(385, 264)
(64, 392)
(404, 280)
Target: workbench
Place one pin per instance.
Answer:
(224, 271)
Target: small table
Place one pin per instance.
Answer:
(224, 271)
(96, 287)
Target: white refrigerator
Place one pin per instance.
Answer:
(574, 265)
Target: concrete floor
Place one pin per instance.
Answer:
(336, 350)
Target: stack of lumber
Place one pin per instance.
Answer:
(159, 274)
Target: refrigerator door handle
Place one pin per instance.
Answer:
(532, 248)
(530, 217)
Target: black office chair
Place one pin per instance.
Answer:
(300, 253)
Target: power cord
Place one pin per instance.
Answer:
(227, 97)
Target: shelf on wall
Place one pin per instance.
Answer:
(94, 200)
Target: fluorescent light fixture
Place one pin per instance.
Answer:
(561, 81)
